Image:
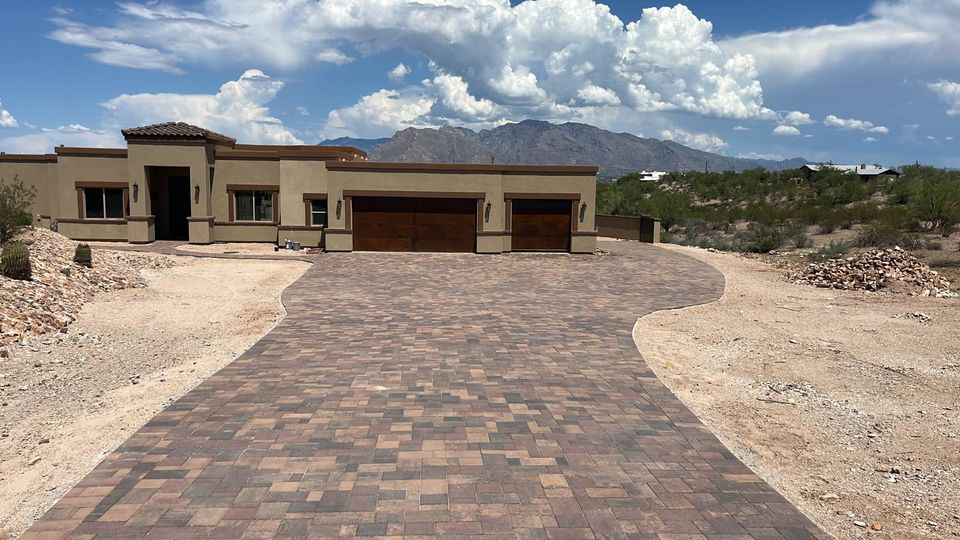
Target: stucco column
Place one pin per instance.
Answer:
(140, 222)
(201, 218)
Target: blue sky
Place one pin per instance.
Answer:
(852, 81)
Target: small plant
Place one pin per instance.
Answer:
(83, 256)
(762, 238)
(15, 260)
(879, 235)
(65, 271)
(15, 200)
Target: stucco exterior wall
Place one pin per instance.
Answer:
(73, 169)
(42, 176)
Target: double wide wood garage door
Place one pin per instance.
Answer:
(414, 224)
(541, 224)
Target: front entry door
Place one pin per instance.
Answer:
(178, 203)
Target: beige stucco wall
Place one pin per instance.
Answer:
(241, 171)
(141, 156)
(39, 175)
(586, 186)
(296, 178)
(245, 233)
(73, 169)
(94, 231)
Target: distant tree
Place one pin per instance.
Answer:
(15, 201)
(936, 200)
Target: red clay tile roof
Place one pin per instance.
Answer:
(175, 130)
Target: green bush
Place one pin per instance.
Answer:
(83, 256)
(760, 238)
(833, 250)
(15, 260)
(15, 201)
(879, 235)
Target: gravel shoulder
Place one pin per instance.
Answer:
(847, 402)
(70, 398)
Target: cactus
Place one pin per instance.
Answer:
(15, 261)
(82, 256)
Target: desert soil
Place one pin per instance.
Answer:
(847, 402)
(68, 399)
(241, 248)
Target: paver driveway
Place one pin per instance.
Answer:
(421, 395)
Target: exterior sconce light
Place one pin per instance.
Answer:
(339, 207)
(583, 211)
(486, 212)
(136, 191)
(196, 193)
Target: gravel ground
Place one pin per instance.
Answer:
(847, 402)
(241, 248)
(69, 399)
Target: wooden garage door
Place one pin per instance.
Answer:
(542, 225)
(414, 224)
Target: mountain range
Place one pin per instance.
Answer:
(539, 142)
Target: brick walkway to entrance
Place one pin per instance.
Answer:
(449, 395)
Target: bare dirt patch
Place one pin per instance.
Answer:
(70, 398)
(847, 402)
(241, 248)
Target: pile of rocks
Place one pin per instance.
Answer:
(874, 270)
(53, 298)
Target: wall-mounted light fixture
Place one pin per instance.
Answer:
(583, 211)
(486, 212)
(196, 193)
(136, 191)
(339, 207)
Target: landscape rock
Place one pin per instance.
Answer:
(874, 270)
(52, 299)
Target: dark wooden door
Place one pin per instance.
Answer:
(414, 224)
(541, 225)
(178, 205)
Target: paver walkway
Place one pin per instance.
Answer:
(451, 395)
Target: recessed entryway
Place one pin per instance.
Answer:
(170, 201)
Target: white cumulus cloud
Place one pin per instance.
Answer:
(853, 124)
(869, 139)
(701, 141)
(6, 119)
(797, 118)
(553, 57)
(786, 131)
(44, 140)
(379, 115)
(238, 109)
(398, 73)
(456, 100)
(741, 128)
(949, 93)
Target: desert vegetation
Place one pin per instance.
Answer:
(760, 211)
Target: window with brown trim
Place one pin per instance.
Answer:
(254, 205)
(318, 212)
(104, 203)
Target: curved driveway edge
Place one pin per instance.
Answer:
(441, 395)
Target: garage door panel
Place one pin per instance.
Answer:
(411, 224)
(542, 225)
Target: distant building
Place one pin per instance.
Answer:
(651, 176)
(864, 171)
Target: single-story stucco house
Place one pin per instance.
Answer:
(175, 181)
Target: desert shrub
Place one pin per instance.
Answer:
(83, 256)
(15, 201)
(15, 260)
(936, 200)
(933, 245)
(880, 235)
(760, 238)
(833, 250)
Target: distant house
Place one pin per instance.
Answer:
(651, 176)
(864, 171)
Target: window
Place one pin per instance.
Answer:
(103, 203)
(253, 205)
(318, 213)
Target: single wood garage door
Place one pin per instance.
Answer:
(414, 224)
(541, 224)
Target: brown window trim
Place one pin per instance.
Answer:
(233, 188)
(308, 199)
(81, 208)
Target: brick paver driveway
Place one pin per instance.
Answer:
(422, 395)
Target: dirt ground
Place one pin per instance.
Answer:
(240, 248)
(69, 399)
(847, 402)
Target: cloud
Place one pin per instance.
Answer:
(238, 109)
(869, 139)
(456, 100)
(379, 115)
(852, 124)
(741, 128)
(44, 140)
(925, 30)
(797, 118)
(559, 57)
(332, 56)
(786, 131)
(949, 93)
(302, 111)
(398, 73)
(701, 141)
(6, 119)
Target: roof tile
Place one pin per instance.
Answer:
(175, 130)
